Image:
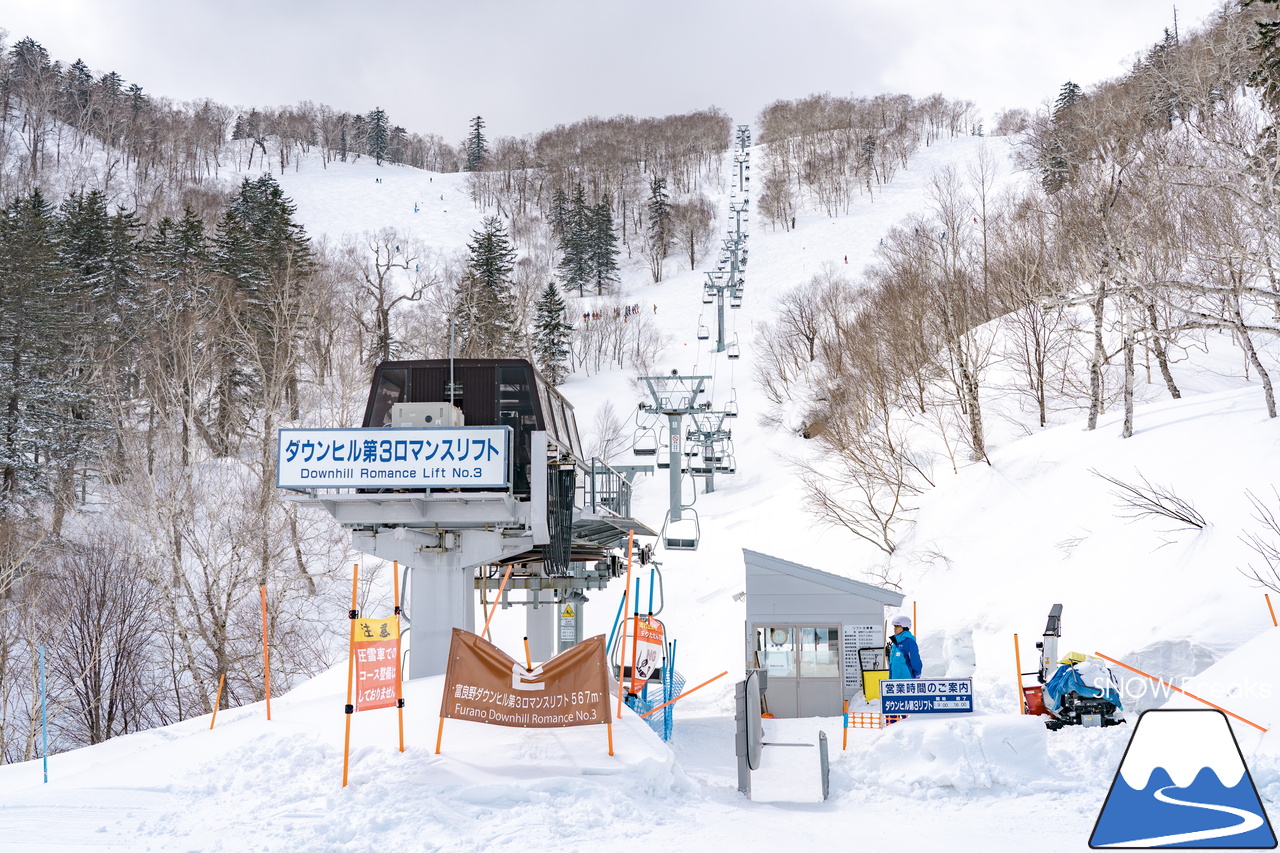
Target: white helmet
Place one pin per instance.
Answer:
(904, 621)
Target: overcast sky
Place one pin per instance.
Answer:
(527, 65)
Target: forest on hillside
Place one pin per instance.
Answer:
(1149, 227)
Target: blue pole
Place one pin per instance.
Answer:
(44, 718)
(616, 620)
(637, 596)
(668, 724)
(651, 571)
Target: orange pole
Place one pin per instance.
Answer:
(496, 602)
(1183, 692)
(266, 658)
(217, 700)
(1017, 660)
(684, 694)
(439, 735)
(845, 745)
(395, 599)
(351, 656)
(626, 600)
(1274, 623)
(528, 661)
(609, 726)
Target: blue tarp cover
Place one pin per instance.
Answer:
(1088, 679)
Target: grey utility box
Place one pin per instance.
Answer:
(805, 628)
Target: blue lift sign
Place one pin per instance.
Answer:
(926, 696)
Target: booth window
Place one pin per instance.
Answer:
(820, 652)
(776, 651)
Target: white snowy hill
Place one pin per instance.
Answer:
(993, 548)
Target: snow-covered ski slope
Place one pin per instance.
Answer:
(993, 548)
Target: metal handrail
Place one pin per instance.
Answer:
(610, 492)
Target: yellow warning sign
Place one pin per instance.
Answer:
(567, 613)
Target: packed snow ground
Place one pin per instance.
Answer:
(993, 548)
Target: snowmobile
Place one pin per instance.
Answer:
(1075, 690)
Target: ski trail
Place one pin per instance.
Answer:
(1249, 821)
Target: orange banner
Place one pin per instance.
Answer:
(377, 663)
(484, 685)
(650, 644)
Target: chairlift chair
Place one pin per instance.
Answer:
(682, 535)
(732, 349)
(707, 298)
(731, 407)
(704, 334)
(735, 299)
(727, 466)
(644, 442)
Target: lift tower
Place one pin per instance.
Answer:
(676, 397)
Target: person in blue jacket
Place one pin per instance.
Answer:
(904, 654)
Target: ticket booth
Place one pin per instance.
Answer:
(805, 627)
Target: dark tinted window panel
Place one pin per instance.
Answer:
(515, 409)
(388, 389)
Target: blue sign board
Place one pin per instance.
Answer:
(926, 696)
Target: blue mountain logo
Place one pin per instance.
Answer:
(1183, 783)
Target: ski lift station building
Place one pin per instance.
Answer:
(806, 628)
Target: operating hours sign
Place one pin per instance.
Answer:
(854, 637)
(926, 696)
(395, 458)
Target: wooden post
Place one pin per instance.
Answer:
(351, 656)
(496, 602)
(266, 657)
(622, 641)
(217, 700)
(395, 600)
(1272, 609)
(1017, 660)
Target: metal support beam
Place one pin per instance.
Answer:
(677, 461)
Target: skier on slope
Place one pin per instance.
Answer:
(904, 654)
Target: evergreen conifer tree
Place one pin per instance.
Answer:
(558, 217)
(1056, 162)
(264, 258)
(485, 321)
(575, 243)
(1266, 75)
(477, 148)
(603, 245)
(38, 333)
(551, 334)
(176, 308)
(100, 254)
(659, 242)
(378, 135)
